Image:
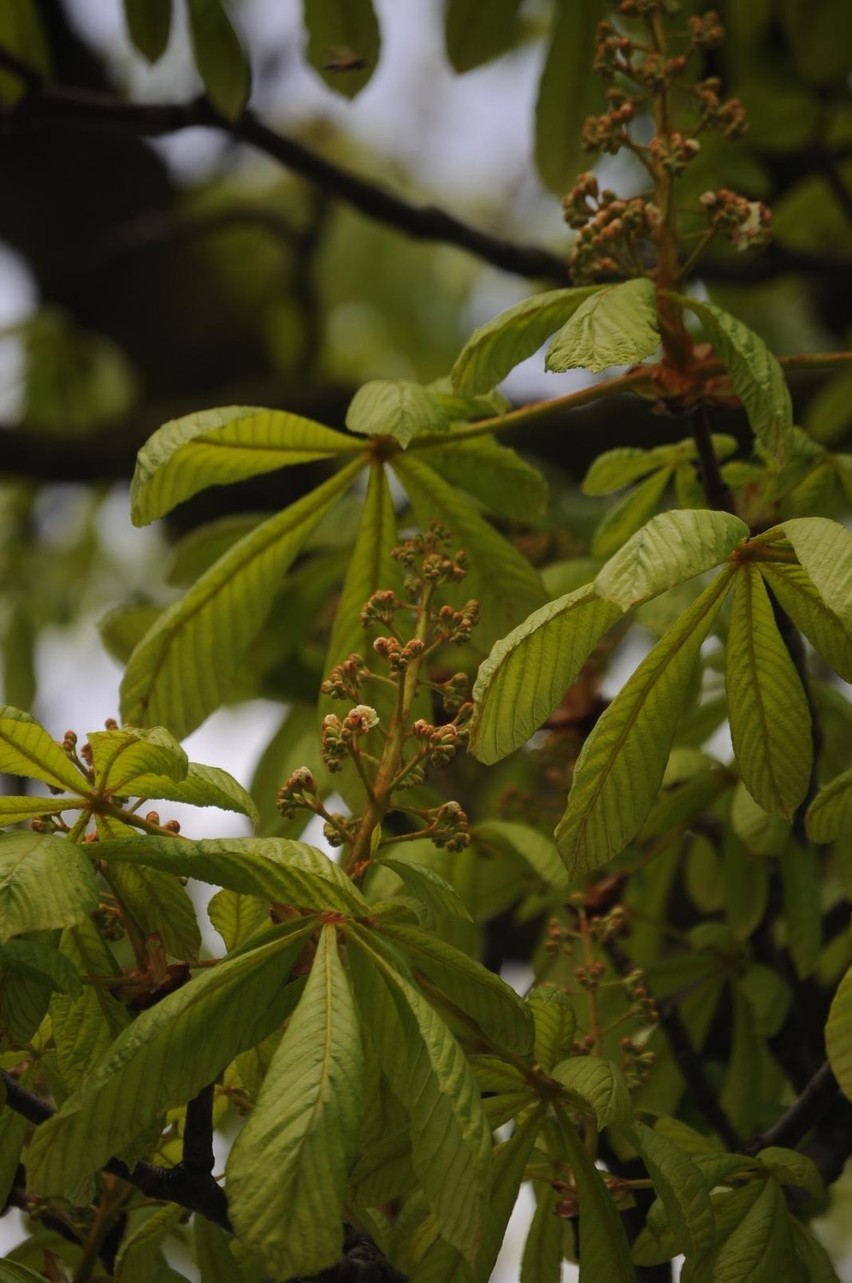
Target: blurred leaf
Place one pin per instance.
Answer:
(22, 34)
(76, 381)
(149, 24)
(219, 57)
(498, 477)
(343, 42)
(568, 91)
(830, 813)
(476, 32)
(624, 517)
(838, 1035)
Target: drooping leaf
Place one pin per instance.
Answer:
(286, 1175)
(182, 668)
(555, 1022)
(615, 469)
(216, 1262)
(202, 786)
(838, 1035)
(157, 902)
(398, 409)
(529, 671)
(671, 548)
(767, 706)
(599, 1086)
(792, 1168)
(683, 1191)
(617, 326)
(604, 1253)
(45, 882)
(436, 895)
(757, 1248)
(501, 579)
(427, 1069)
(825, 550)
(140, 1257)
(163, 1058)
(119, 756)
(568, 92)
(149, 24)
(497, 347)
(343, 42)
(275, 868)
(535, 849)
(219, 57)
(30, 972)
(27, 749)
(629, 513)
(802, 906)
(830, 813)
(755, 373)
(84, 1025)
(813, 1256)
(476, 33)
(498, 477)
(799, 597)
(621, 764)
(486, 998)
(217, 447)
(543, 1250)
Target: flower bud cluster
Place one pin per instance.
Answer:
(457, 625)
(398, 655)
(673, 152)
(427, 557)
(729, 117)
(339, 736)
(706, 31)
(299, 793)
(636, 1064)
(747, 224)
(440, 742)
(608, 227)
(590, 975)
(380, 608)
(344, 680)
(642, 1004)
(339, 828)
(454, 692)
(449, 827)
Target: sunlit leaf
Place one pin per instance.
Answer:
(628, 513)
(621, 764)
(202, 786)
(119, 756)
(671, 548)
(799, 597)
(399, 409)
(45, 882)
(183, 667)
(497, 347)
(286, 1175)
(149, 24)
(568, 91)
(149, 1068)
(219, 57)
(217, 447)
(617, 326)
(343, 42)
(26, 749)
(528, 672)
(15, 809)
(767, 707)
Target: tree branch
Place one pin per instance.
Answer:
(718, 492)
(805, 1112)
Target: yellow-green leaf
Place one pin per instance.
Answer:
(624, 517)
(398, 409)
(824, 548)
(202, 786)
(617, 326)
(830, 813)
(838, 1035)
(802, 601)
(498, 477)
(604, 1254)
(120, 756)
(27, 749)
(219, 57)
(683, 1191)
(343, 42)
(621, 765)
(767, 707)
(45, 882)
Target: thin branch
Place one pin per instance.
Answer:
(805, 1112)
(197, 1158)
(718, 492)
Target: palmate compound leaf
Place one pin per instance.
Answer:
(604, 1254)
(684, 1194)
(621, 764)
(340, 31)
(119, 756)
(830, 813)
(487, 999)
(824, 548)
(45, 882)
(671, 548)
(164, 1058)
(529, 671)
(28, 750)
(616, 326)
(428, 1071)
(395, 408)
(497, 347)
(182, 668)
(275, 868)
(767, 707)
(799, 597)
(287, 1172)
(217, 447)
(755, 373)
(838, 1035)
(501, 579)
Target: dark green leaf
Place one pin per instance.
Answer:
(21, 33)
(555, 1022)
(604, 1253)
(343, 42)
(219, 57)
(568, 91)
(495, 475)
(149, 23)
(830, 813)
(838, 1035)
(477, 32)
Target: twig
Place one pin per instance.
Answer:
(718, 492)
(804, 1113)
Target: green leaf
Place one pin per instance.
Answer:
(286, 1175)
(621, 764)
(497, 347)
(140, 1257)
(629, 513)
(45, 882)
(203, 786)
(12, 1272)
(683, 1191)
(15, 809)
(219, 57)
(555, 1023)
(26, 749)
(792, 1168)
(813, 1255)
(755, 373)
(120, 756)
(528, 672)
(476, 33)
(499, 478)
(157, 902)
(604, 1254)
(824, 549)
(671, 548)
(149, 24)
(218, 447)
(598, 1085)
(437, 896)
(533, 847)
(397, 409)
(767, 707)
(615, 469)
(501, 579)
(342, 32)
(30, 972)
(84, 1026)
(617, 326)
(237, 917)
(838, 1035)
(543, 1250)
(22, 34)
(756, 1250)
(216, 1263)
(163, 1058)
(568, 91)
(830, 813)
(799, 597)
(451, 1141)
(275, 868)
(487, 999)
(183, 667)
